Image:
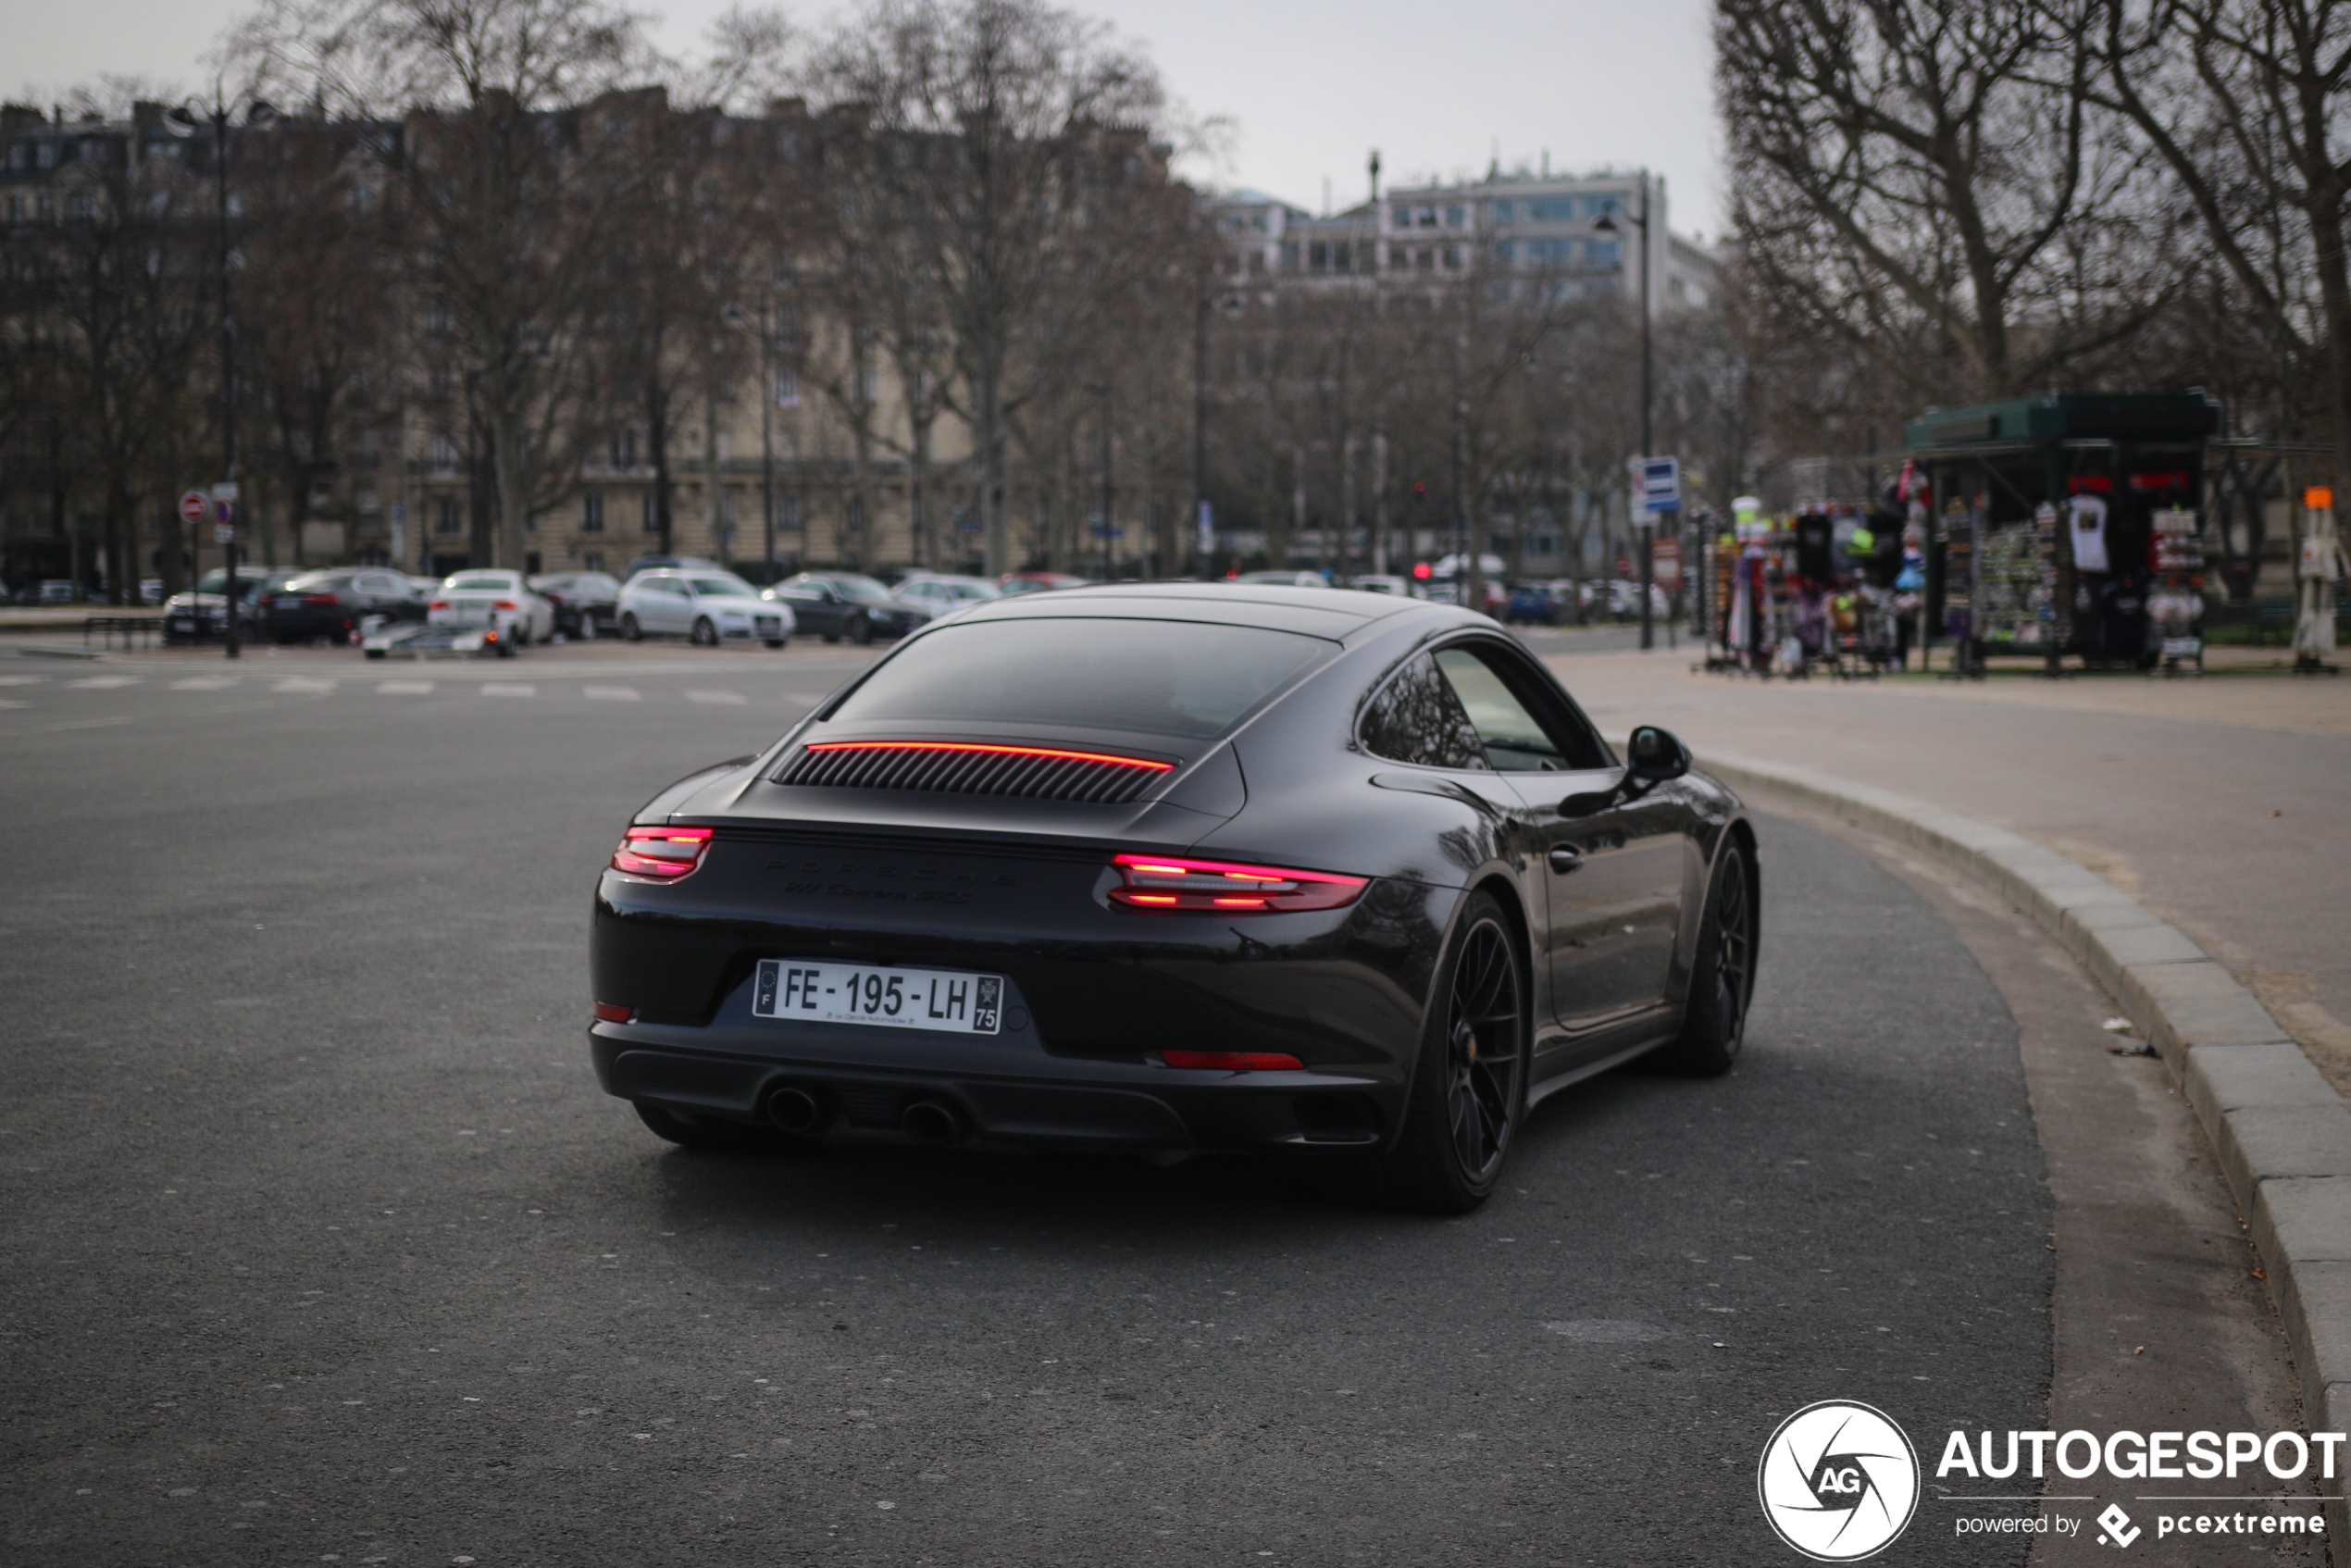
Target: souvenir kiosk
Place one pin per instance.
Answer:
(2062, 524)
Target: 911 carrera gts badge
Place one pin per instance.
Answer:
(893, 881)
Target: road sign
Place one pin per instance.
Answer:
(193, 505)
(1660, 480)
(223, 534)
(225, 490)
(224, 512)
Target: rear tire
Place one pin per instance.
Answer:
(629, 630)
(1721, 973)
(776, 641)
(705, 635)
(1469, 1085)
(860, 631)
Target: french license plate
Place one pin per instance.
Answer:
(897, 997)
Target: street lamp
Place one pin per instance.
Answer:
(182, 121)
(1607, 225)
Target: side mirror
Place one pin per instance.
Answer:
(1654, 755)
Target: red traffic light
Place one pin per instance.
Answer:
(1420, 487)
(1420, 570)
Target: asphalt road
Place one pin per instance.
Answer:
(322, 1243)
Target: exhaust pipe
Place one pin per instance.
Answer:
(797, 1111)
(935, 1122)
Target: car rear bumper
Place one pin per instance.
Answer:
(1002, 1091)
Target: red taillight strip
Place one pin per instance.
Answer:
(1177, 882)
(989, 749)
(660, 855)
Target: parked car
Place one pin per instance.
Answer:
(500, 601)
(587, 603)
(56, 591)
(838, 604)
(1624, 600)
(669, 562)
(332, 604)
(1375, 582)
(1533, 604)
(194, 617)
(946, 593)
(1037, 582)
(1288, 580)
(706, 606)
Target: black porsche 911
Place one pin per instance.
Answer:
(1171, 867)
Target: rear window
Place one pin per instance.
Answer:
(311, 581)
(481, 582)
(725, 588)
(1155, 677)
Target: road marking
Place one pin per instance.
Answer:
(104, 683)
(714, 696)
(405, 687)
(23, 680)
(611, 693)
(303, 683)
(508, 689)
(204, 683)
(6, 704)
(87, 723)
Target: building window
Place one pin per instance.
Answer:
(591, 511)
(593, 560)
(1603, 206)
(1399, 257)
(441, 452)
(623, 449)
(1456, 216)
(787, 388)
(1506, 211)
(1603, 252)
(1403, 218)
(1424, 218)
(363, 198)
(444, 515)
(1289, 255)
(1502, 253)
(652, 513)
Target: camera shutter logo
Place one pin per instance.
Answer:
(1839, 1481)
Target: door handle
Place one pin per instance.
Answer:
(1566, 858)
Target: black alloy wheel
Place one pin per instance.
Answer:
(1723, 975)
(1469, 1089)
(629, 630)
(861, 630)
(705, 634)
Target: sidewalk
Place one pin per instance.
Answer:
(2218, 803)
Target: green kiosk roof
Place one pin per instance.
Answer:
(2120, 416)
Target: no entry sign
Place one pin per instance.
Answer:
(193, 505)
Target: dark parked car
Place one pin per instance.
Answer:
(837, 604)
(194, 617)
(587, 603)
(1173, 868)
(332, 604)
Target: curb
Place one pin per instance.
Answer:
(2282, 1132)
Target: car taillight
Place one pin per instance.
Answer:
(1158, 881)
(326, 598)
(505, 604)
(438, 604)
(614, 1012)
(660, 855)
(1234, 1061)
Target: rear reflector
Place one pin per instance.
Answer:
(505, 604)
(613, 1013)
(660, 855)
(1234, 1061)
(1158, 881)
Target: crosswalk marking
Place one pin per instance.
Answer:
(714, 696)
(21, 679)
(508, 689)
(204, 683)
(4, 703)
(611, 693)
(104, 683)
(405, 687)
(303, 683)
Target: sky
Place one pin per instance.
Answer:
(1309, 86)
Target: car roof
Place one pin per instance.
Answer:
(1314, 612)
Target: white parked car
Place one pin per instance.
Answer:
(706, 606)
(946, 593)
(1373, 582)
(499, 600)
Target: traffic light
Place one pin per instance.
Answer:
(1420, 570)
(1420, 487)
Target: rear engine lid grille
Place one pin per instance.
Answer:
(975, 768)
